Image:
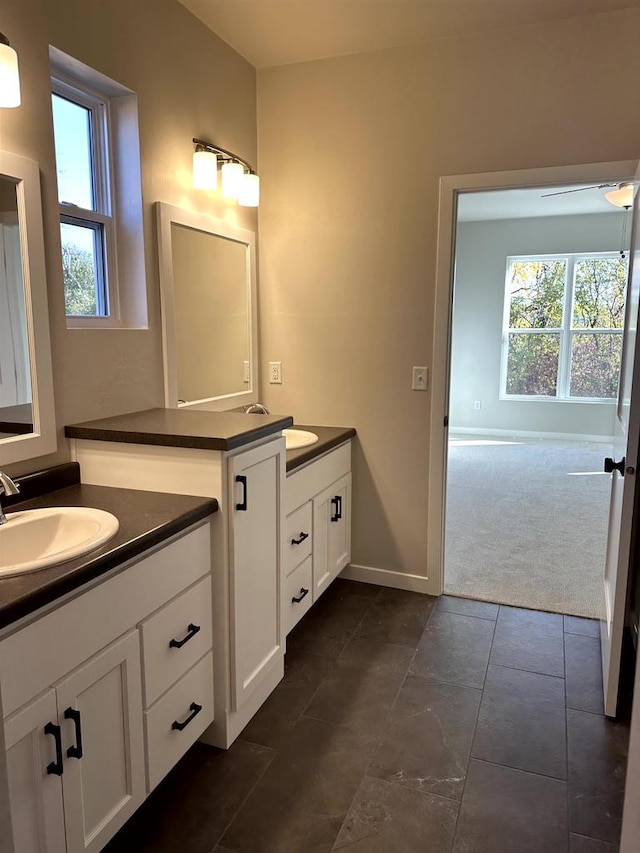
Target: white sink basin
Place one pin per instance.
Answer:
(296, 438)
(36, 538)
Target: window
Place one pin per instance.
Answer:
(563, 324)
(81, 131)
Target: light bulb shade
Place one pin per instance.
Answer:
(232, 176)
(205, 170)
(9, 75)
(622, 197)
(250, 191)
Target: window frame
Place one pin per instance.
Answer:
(565, 332)
(102, 219)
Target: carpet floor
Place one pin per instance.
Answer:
(526, 523)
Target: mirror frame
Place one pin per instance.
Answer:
(25, 174)
(167, 215)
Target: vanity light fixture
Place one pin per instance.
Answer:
(239, 181)
(9, 75)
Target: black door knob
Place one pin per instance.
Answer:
(610, 466)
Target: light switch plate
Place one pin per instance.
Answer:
(420, 379)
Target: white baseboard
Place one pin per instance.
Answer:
(522, 433)
(385, 577)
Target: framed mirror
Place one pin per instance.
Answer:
(27, 417)
(209, 317)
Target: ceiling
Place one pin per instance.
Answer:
(279, 32)
(521, 204)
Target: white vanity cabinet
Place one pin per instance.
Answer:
(248, 625)
(318, 529)
(83, 746)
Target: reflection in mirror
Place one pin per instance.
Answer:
(16, 416)
(27, 418)
(211, 313)
(207, 280)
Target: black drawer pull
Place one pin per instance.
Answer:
(195, 710)
(242, 505)
(75, 751)
(192, 631)
(303, 592)
(338, 503)
(299, 541)
(55, 768)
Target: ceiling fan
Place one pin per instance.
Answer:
(622, 196)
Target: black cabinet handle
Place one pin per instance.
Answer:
(337, 500)
(195, 710)
(75, 751)
(303, 592)
(242, 506)
(55, 768)
(299, 541)
(192, 631)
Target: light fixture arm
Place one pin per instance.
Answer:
(225, 156)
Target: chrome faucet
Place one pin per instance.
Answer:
(256, 409)
(7, 487)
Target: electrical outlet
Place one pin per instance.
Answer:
(247, 373)
(477, 405)
(275, 373)
(419, 378)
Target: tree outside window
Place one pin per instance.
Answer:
(564, 317)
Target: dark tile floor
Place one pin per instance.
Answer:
(406, 723)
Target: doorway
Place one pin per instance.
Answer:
(538, 312)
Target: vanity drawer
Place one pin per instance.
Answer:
(174, 638)
(298, 527)
(166, 740)
(295, 585)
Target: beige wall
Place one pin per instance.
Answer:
(350, 153)
(189, 83)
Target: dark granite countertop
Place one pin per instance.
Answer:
(146, 519)
(328, 438)
(182, 428)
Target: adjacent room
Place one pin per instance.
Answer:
(537, 328)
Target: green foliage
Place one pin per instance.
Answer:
(79, 281)
(537, 296)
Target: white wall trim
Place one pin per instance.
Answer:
(386, 577)
(450, 187)
(523, 433)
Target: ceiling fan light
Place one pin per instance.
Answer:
(623, 196)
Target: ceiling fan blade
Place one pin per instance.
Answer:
(579, 190)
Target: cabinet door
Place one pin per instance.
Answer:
(256, 478)
(331, 533)
(100, 708)
(37, 814)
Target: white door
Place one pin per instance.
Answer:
(100, 709)
(256, 542)
(35, 767)
(623, 483)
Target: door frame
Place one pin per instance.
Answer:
(450, 187)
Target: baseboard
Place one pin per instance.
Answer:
(523, 433)
(385, 577)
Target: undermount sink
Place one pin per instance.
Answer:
(297, 438)
(36, 538)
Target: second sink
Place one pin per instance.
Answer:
(296, 438)
(36, 538)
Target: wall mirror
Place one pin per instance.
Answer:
(208, 290)
(27, 418)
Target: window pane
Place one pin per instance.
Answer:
(599, 293)
(532, 364)
(82, 267)
(536, 294)
(72, 134)
(595, 365)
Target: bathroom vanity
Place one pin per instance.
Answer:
(105, 668)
